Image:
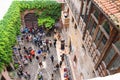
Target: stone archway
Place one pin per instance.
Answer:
(26, 20)
(30, 20)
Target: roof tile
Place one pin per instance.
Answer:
(111, 8)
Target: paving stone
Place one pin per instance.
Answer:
(48, 66)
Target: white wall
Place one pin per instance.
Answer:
(110, 77)
(4, 6)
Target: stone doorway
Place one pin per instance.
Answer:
(30, 20)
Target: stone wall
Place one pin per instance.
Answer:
(25, 13)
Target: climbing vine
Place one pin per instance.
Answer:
(50, 11)
(9, 28)
(49, 16)
(10, 25)
(48, 22)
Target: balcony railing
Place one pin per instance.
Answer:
(65, 19)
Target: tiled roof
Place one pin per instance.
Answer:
(111, 8)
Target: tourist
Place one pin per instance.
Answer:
(37, 58)
(26, 57)
(62, 44)
(40, 51)
(40, 41)
(32, 52)
(52, 76)
(57, 66)
(25, 61)
(30, 57)
(55, 42)
(62, 57)
(30, 38)
(48, 50)
(19, 49)
(61, 63)
(59, 36)
(44, 56)
(44, 47)
(26, 50)
(40, 76)
(43, 35)
(52, 58)
(22, 40)
(28, 76)
(19, 74)
(27, 38)
(66, 14)
(25, 75)
(20, 70)
(47, 41)
(50, 43)
(26, 30)
(35, 40)
(41, 64)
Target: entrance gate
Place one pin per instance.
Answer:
(30, 20)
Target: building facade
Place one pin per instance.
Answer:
(92, 33)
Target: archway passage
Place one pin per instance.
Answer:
(30, 20)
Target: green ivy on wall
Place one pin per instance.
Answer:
(48, 22)
(10, 25)
(50, 11)
(9, 28)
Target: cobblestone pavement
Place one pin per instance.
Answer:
(48, 66)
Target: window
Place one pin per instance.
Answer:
(109, 56)
(116, 64)
(89, 6)
(98, 37)
(93, 28)
(104, 40)
(117, 44)
(84, 7)
(96, 13)
(89, 25)
(102, 44)
(106, 26)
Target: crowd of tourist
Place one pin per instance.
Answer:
(26, 54)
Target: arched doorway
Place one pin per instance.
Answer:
(30, 20)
